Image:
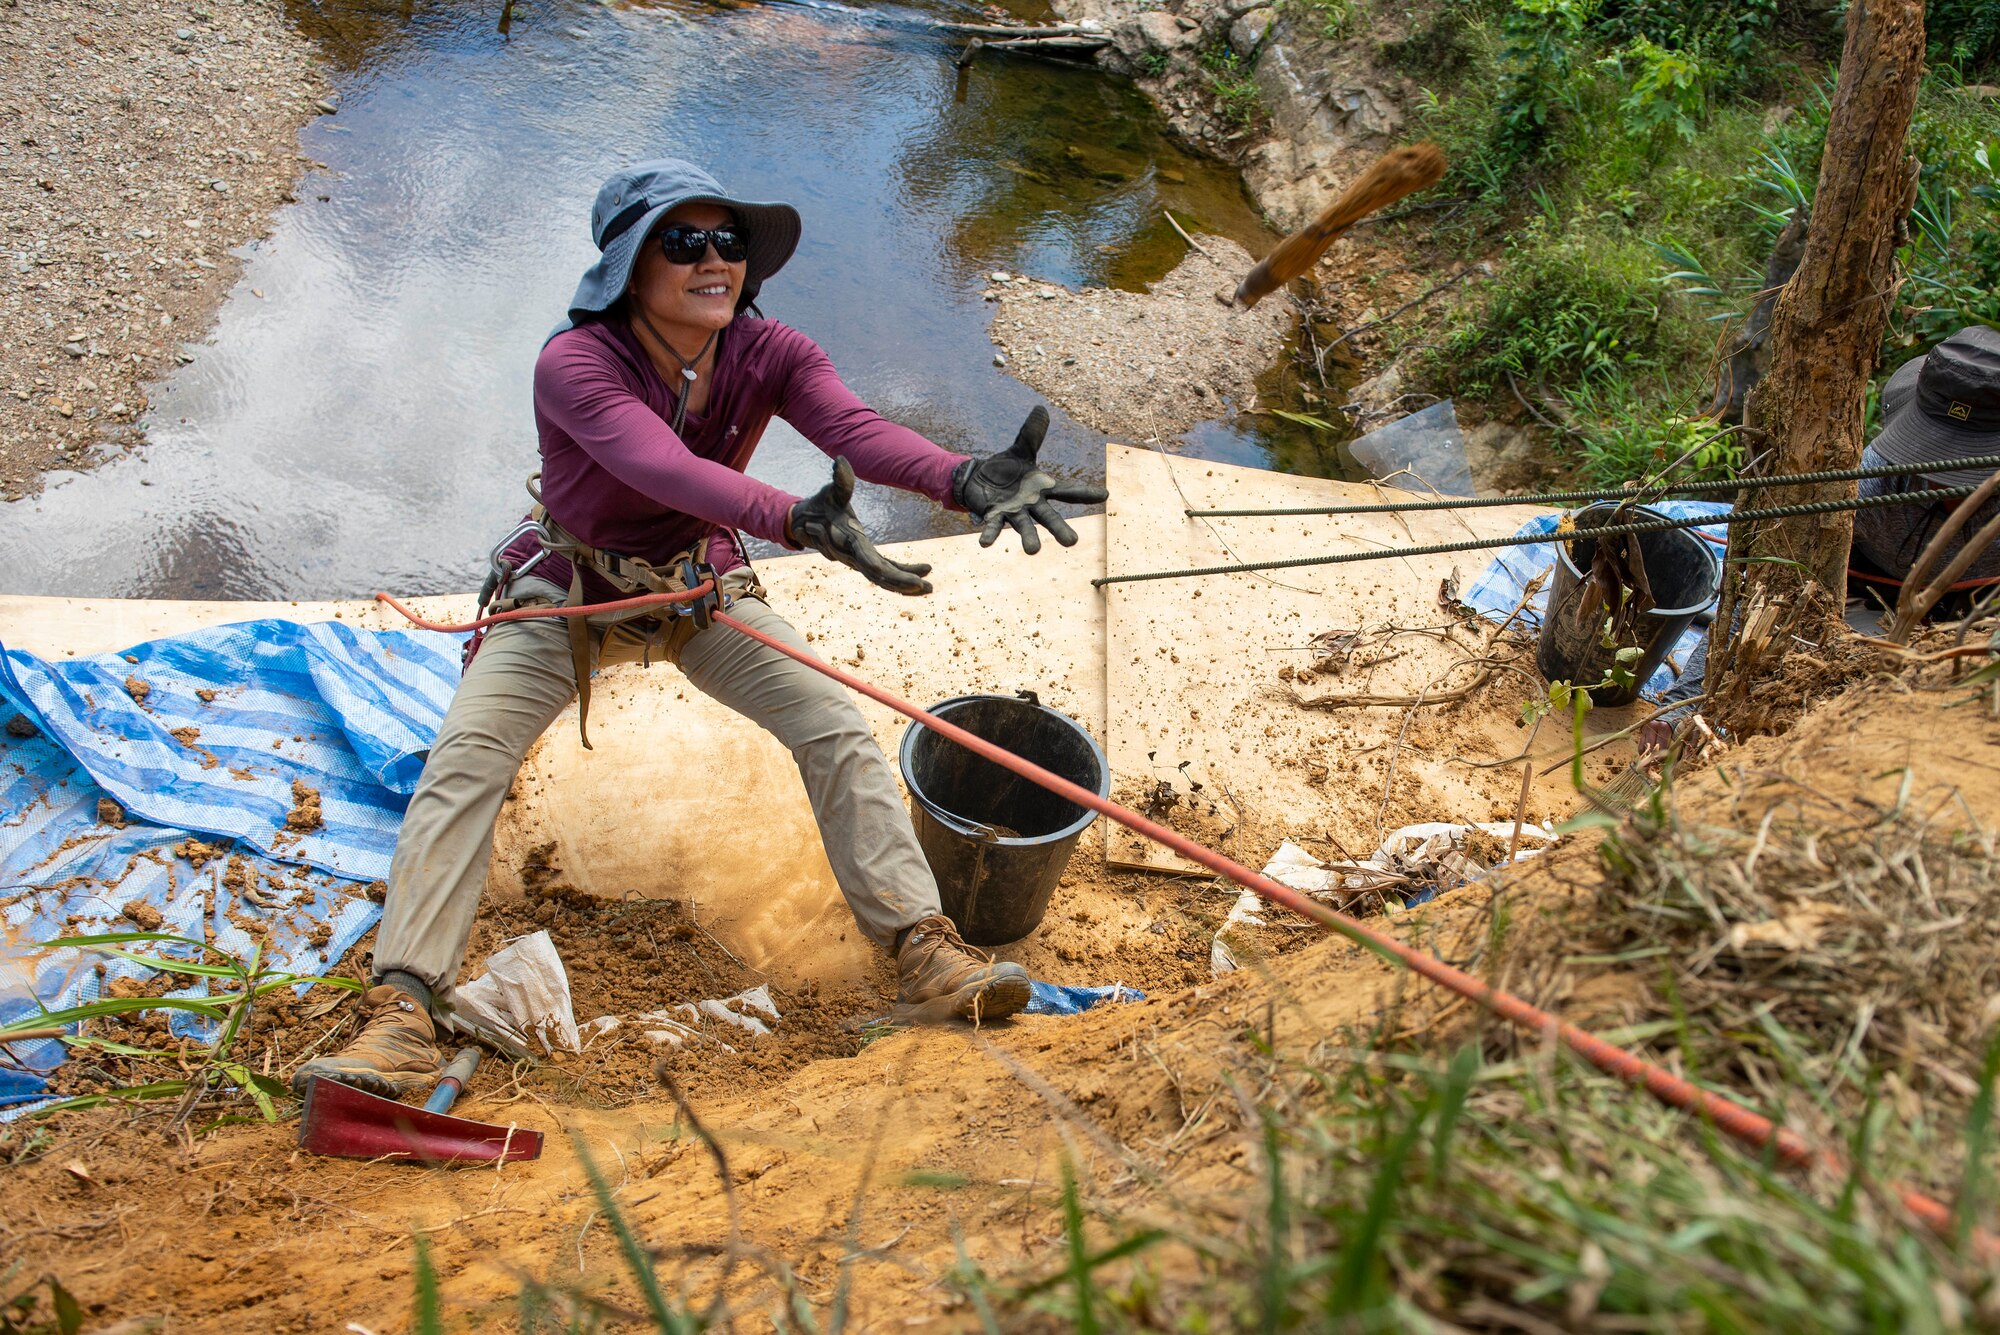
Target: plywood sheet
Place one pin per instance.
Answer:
(1205, 730)
(683, 798)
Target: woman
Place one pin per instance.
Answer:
(649, 402)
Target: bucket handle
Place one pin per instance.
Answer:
(987, 837)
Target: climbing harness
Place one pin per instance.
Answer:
(695, 588)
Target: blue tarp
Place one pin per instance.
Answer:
(201, 738)
(1055, 999)
(1496, 591)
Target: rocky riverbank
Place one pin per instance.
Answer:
(1328, 105)
(142, 145)
(1303, 109)
(1141, 365)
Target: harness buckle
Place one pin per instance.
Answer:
(692, 574)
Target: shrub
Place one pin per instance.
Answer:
(1669, 90)
(1235, 92)
(1964, 33)
(1540, 77)
(1567, 309)
(1951, 261)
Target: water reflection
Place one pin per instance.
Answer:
(367, 423)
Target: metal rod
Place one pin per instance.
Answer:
(1612, 494)
(1607, 531)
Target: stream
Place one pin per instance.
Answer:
(360, 418)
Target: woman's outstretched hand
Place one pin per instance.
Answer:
(825, 520)
(1011, 488)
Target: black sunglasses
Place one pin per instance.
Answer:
(682, 244)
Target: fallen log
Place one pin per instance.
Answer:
(1059, 40)
(1051, 44)
(1018, 30)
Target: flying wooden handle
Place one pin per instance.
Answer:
(1399, 172)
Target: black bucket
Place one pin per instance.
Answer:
(1684, 574)
(996, 842)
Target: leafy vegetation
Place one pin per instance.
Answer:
(40, 1307)
(213, 1077)
(1333, 16)
(1235, 91)
(1640, 157)
(1964, 34)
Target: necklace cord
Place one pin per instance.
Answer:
(688, 374)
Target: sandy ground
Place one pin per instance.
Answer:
(1139, 364)
(142, 145)
(858, 1154)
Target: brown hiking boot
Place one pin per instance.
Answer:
(945, 979)
(394, 1054)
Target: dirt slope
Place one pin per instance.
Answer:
(869, 1165)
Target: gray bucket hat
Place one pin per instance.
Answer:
(633, 201)
(1945, 406)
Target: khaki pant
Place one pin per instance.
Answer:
(522, 678)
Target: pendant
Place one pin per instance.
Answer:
(687, 374)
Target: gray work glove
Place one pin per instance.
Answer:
(825, 521)
(1010, 488)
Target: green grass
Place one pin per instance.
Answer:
(1400, 1186)
(1235, 91)
(1461, 1191)
(1331, 19)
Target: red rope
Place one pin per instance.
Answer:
(1982, 582)
(1751, 1129)
(537, 613)
(1756, 1131)
(1964, 585)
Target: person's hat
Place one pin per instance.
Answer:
(1945, 406)
(630, 205)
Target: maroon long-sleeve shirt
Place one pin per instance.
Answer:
(615, 474)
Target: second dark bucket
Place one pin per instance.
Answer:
(996, 842)
(1684, 574)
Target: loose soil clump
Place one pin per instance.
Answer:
(304, 817)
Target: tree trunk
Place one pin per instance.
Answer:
(1785, 580)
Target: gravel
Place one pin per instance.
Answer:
(1139, 364)
(141, 144)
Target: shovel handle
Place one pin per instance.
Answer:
(463, 1064)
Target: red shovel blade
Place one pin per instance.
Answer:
(352, 1124)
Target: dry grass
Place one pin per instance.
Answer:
(1833, 933)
